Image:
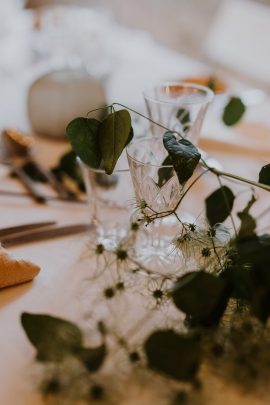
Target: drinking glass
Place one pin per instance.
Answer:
(110, 200)
(157, 191)
(178, 106)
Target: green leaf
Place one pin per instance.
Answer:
(260, 305)
(241, 282)
(130, 137)
(219, 205)
(254, 251)
(184, 118)
(92, 358)
(264, 175)
(165, 173)
(177, 356)
(248, 223)
(254, 254)
(202, 297)
(114, 134)
(82, 134)
(184, 156)
(54, 338)
(233, 111)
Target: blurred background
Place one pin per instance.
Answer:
(62, 58)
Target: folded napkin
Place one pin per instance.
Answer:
(14, 271)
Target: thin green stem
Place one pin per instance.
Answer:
(216, 253)
(239, 178)
(164, 214)
(190, 186)
(149, 119)
(177, 217)
(211, 169)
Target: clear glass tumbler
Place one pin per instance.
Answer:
(110, 200)
(157, 191)
(178, 106)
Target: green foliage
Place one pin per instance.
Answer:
(219, 205)
(175, 355)
(233, 111)
(243, 263)
(102, 142)
(253, 253)
(264, 175)
(55, 339)
(240, 281)
(202, 297)
(82, 134)
(184, 156)
(114, 133)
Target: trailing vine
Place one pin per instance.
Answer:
(212, 310)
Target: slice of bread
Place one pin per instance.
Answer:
(13, 271)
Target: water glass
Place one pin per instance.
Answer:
(178, 106)
(110, 199)
(157, 191)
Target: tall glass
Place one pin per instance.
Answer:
(178, 106)
(157, 192)
(110, 199)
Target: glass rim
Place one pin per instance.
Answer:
(139, 161)
(101, 171)
(208, 92)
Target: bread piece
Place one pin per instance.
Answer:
(14, 271)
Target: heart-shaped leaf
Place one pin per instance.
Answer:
(114, 134)
(219, 205)
(177, 356)
(184, 156)
(264, 175)
(54, 338)
(233, 111)
(202, 297)
(82, 134)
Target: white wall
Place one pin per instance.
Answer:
(179, 24)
